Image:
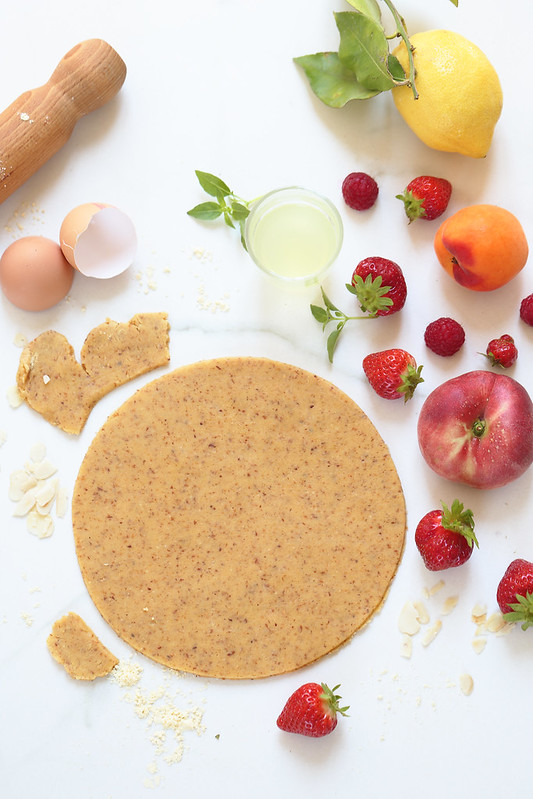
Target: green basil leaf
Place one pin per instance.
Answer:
(206, 211)
(332, 342)
(332, 83)
(320, 314)
(369, 8)
(364, 49)
(212, 185)
(239, 211)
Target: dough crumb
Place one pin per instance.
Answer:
(74, 645)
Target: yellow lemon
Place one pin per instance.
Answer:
(460, 96)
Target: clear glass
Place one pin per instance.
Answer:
(294, 234)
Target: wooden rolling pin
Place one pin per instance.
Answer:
(40, 121)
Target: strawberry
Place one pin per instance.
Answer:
(515, 593)
(426, 197)
(446, 537)
(311, 710)
(444, 336)
(526, 310)
(392, 373)
(379, 286)
(359, 190)
(502, 351)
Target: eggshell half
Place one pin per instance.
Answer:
(98, 240)
(34, 274)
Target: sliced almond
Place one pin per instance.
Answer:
(19, 483)
(41, 526)
(432, 633)
(466, 683)
(478, 645)
(449, 605)
(25, 504)
(406, 647)
(495, 622)
(38, 452)
(42, 470)
(422, 612)
(408, 622)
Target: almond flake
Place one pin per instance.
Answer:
(466, 684)
(478, 645)
(46, 493)
(479, 613)
(61, 502)
(408, 622)
(19, 483)
(41, 526)
(432, 633)
(25, 504)
(449, 605)
(495, 623)
(13, 397)
(38, 452)
(422, 612)
(406, 648)
(436, 588)
(43, 470)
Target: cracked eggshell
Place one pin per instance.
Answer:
(98, 240)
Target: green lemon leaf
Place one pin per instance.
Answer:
(395, 68)
(206, 211)
(369, 8)
(364, 50)
(212, 185)
(331, 81)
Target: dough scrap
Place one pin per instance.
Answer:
(74, 645)
(64, 391)
(238, 518)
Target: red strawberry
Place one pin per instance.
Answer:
(360, 191)
(526, 310)
(515, 593)
(379, 285)
(392, 373)
(446, 538)
(426, 197)
(502, 351)
(311, 710)
(444, 336)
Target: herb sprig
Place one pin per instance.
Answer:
(330, 312)
(227, 204)
(363, 65)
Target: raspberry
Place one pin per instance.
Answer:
(444, 336)
(359, 190)
(526, 310)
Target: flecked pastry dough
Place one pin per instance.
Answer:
(64, 391)
(238, 518)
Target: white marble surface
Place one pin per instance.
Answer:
(212, 86)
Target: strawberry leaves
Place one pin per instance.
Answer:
(521, 611)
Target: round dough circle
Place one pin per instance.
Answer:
(238, 518)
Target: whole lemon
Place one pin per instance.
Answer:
(460, 96)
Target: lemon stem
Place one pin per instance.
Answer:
(401, 30)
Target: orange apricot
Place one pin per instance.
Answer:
(482, 247)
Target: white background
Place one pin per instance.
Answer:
(212, 86)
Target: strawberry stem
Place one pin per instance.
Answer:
(401, 30)
(522, 611)
(459, 520)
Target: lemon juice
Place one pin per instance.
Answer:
(294, 234)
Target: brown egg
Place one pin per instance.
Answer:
(34, 273)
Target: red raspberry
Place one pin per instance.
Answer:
(359, 190)
(444, 336)
(526, 310)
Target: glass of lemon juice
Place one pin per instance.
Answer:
(294, 234)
